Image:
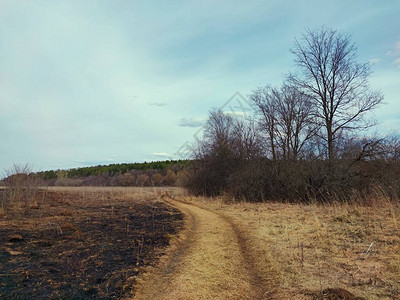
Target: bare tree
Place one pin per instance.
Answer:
(156, 179)
(218, 131)
(335, 81)
(126, 179)
(214, 154)
(392, 147)
(142, 180)
(227, 145)
(263, 98)
(170, 178)
(286, 117)
(245, 139)
(21, 183)
(294, 115)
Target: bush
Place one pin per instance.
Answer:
(21, 186)
(142, 180)
(68, 182)
(170, 178)
(157, 179)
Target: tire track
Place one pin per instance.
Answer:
(210, 261)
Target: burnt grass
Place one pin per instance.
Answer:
(69, 247)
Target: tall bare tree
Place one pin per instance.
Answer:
(286, 117)
(215, 154)
(336, 82)
(263, 99)
(245, 139)
(294, 116)
(218, 128)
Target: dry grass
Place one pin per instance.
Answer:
(103, 192)
(301, 250)
(297, 250)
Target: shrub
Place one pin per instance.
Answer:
(21, 185)
(157, 179)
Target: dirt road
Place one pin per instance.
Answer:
(209, 262)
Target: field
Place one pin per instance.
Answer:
(82, 243)
(319, 251)
(156, 243)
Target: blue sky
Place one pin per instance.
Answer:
(98, 82)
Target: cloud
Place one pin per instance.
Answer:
(240, 114)
(161, 155)
(159, 104)
(397, 62)
(397, 47)
(396, 53)
(184, 122)
(374, 60)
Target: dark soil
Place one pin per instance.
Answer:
(75, 246)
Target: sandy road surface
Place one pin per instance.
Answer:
(209, 262)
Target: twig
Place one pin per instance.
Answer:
(369, 248)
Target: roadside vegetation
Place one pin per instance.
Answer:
(319, 251)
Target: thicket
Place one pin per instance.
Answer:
(237, 163)
(21, 187)
(307, 140)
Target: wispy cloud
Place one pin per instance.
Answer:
(240, 114)
(189, 122)
(159, 104)
(395, 53)
(374, 60)
(161, 155)
(397, 47)
(397, 62)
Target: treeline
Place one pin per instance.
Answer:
(233, 161)
(308, 140)
(158, 173)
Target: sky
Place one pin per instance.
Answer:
(97, 82)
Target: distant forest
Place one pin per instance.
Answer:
(157, 173)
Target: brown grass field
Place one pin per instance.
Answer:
(301, 250)
(113, 243)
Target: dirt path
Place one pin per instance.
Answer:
(209, 262)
